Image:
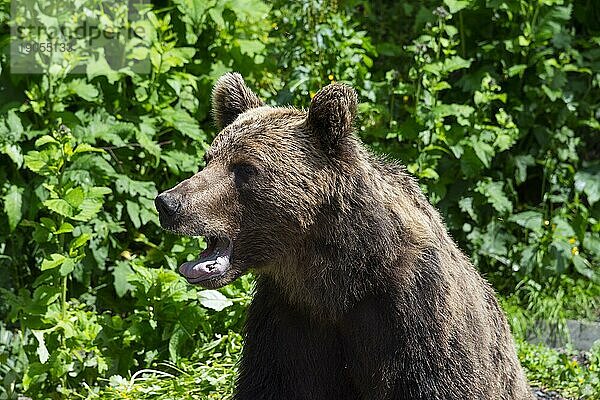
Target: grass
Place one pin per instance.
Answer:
(211, 375)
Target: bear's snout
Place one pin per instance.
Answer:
(167, 204)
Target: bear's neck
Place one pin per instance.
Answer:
(373, 226)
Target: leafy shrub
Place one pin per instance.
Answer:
(495, 108)
(83, 158)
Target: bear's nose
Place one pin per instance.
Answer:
(167, 203)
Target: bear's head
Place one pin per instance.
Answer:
(268, 174)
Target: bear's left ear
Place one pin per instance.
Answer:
(230, 98)
(331, 114)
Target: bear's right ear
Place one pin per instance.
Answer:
(230, 98)
(331, 114)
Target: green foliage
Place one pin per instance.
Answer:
(493, 105)
(89, 288)
(210, 374)
(572, 374)
(317, 46)
(499, 122)
(571, 298)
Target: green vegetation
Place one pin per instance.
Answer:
(492, 104)
(574, 375)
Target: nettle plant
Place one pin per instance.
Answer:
(498, 122)
(89, 286)
(72, 341)
(446, 138)
(59, 222)
(320, 46)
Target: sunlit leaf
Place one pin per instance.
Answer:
(214, 300)
(13, 201)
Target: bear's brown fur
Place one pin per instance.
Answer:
(361, 293)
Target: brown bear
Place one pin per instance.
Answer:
(360, 291)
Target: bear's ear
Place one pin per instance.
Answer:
(331, 114)
(230, 98)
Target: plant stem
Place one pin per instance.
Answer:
(63, 308)
(463, 49)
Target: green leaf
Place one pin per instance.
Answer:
(441, 86)
(67, 267)
(562, 228)
(470, 164)
(79, 241)
(588, 182)
(13, 201)
(99, 67)
(88, 209)
(214, 300)
(455, 6)
(517, 69)
(460, 111)
(125, 184)
(494, 193)
(455, 63)
(41, 350)
(178, 161)
(121, 274)
(531, 220)
(64, 228)
(484, 152)
(216, 14)
(81, 88)
(248, 10)
(552, 94)
(591, 242)
(429, 173)
(522, 41)
(13, 122)
(528, 256)
(176, 57)
(48, 223)
(583, 266)
(35, 160)
(45, 140)
(466, 205)
(176, 340)
(560, 252)
(14, 152)
(194, 9)
(145, 135)
(44, 295)
(54, 261)
(97, 192)
(251, 47)
(59, 206)
(503, 141)
(133, 209)
(521, 164)
(74, 197)
(86, 148)
(495, 242)
(183, 122)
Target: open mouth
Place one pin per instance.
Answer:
(213, 262)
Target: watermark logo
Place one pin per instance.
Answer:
(81, 36)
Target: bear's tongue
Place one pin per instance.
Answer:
(213, 262)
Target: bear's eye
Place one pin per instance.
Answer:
(243, 172)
